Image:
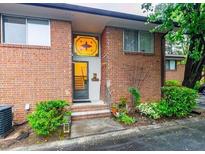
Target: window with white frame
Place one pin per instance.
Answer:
(14, 30)
(19, 30)
(170, 65)
(138, 41)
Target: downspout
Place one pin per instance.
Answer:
(162, 61)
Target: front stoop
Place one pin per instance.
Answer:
(83, 111)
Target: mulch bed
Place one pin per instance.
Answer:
(29, 140)
(142, 120)
(59, 135)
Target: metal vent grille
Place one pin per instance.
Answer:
(5, 120)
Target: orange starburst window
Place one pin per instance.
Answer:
(86, 45)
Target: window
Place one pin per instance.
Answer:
(14, 30)
(17, 30)
(130, 40)
(138, 41)
(84, 45)
(35, 30)
(146, 42)
(170, 65)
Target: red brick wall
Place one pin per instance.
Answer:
(125, 70)
(177, 74)
(29, 74)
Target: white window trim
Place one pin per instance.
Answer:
(1, 28)
(26, 18)
(138, 41)
(26, 32)
(49, 26)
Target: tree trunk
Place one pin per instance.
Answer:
(191, 77)
(193, 68)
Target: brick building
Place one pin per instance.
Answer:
(174, 67)
(89, 57)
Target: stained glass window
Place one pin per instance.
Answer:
(86, 45)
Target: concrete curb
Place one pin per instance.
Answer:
(109, 135)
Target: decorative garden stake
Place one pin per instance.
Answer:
(66, 128)
(67, 124)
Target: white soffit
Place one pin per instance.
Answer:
(81, 22)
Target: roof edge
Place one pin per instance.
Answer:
(175, 57)
(95, 11)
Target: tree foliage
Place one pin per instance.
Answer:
(184, 23)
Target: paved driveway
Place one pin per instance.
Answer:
(201, 101)
(190, 136)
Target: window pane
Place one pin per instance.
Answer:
(146, 42)
(172, 65)
(38, 32)
(167, 64)
(14, 30)
(130, 40)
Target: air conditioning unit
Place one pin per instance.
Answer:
(5, 120)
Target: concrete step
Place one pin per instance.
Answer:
(83, 107)
(90, 114)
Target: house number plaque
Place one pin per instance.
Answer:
(95, 78)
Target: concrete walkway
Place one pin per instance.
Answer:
(94, 126)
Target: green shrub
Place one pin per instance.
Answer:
(177, 102)
(172, 83)
(180, 100)
(124, 118)
(197, 85)
(163, 109)
(48, 116)
(136, 95)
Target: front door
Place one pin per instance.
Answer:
(80, 80)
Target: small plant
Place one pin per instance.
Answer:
(122, 105)
(48, 116)
(172, 83)
(124, 118)
(123, 102)
(150, 109)
(136, 95)
(120, 112)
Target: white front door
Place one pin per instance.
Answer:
(86, 49)
(94, 76)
